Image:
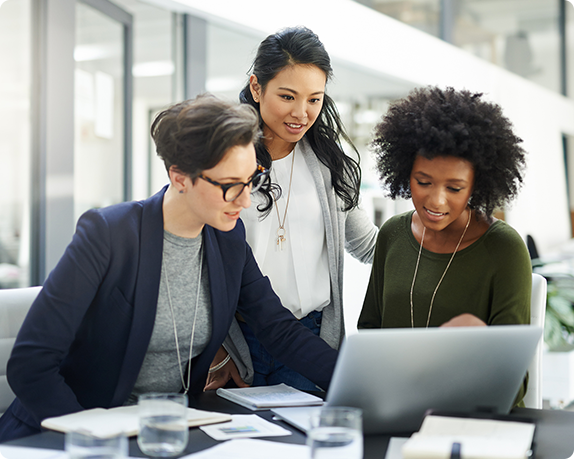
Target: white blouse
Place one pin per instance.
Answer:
(298, 267)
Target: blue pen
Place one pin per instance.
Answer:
(455, 451)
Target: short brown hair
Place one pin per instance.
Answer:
(194, 135)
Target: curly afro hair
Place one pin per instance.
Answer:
(434, 122)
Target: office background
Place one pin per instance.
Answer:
(74, 121)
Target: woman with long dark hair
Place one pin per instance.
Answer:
(300, 224)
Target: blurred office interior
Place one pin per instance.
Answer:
(81, 80)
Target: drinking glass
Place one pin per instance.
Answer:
(336, 433)
(163, 424)
(82, 445)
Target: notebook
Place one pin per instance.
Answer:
(395, 375)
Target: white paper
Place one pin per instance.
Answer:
(253, 449)
(19, 452)
(244, 426)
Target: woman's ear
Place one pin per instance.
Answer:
(177, 179)
(255, 88)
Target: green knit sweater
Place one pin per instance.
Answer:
(490, 279)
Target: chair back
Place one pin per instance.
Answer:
(533, 396)
(14, 305)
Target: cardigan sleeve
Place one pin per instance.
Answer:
(360, 235)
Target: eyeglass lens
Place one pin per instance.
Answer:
(234, 191)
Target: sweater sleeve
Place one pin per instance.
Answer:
(372, 313)
(511, 277)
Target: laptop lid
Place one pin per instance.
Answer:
(395, 375)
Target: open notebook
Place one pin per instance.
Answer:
(102, 422)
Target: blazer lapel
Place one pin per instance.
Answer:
(146, 294)
(219, 306)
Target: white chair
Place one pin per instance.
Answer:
(14, 305)
(533, 396)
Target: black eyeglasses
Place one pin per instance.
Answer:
(231, 191)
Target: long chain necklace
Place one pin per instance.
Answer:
(185, 387)
(443, 274)
(281, 230)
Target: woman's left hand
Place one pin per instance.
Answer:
(464, 320)
(228, 371)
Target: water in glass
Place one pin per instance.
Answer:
(335, 443)
(162, 435)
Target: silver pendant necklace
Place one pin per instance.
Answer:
(441, 278)
(185, 387)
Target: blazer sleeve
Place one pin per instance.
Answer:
(50, 327)
(278, 330)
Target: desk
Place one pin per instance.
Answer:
(554, 432)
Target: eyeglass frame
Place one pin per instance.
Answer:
(261, 171)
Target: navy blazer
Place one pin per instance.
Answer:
(84, 339)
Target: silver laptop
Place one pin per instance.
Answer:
(395, 375)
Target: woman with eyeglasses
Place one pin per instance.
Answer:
(300, 227)
(144, 295)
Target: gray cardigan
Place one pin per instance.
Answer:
(353, 231)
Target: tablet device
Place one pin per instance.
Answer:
(395, 375)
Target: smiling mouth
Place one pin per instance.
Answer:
(436, 214)
(295, 126)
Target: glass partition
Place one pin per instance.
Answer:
(99, 110)
(15, 133)
(521, 36)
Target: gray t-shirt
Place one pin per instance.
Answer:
(160, 371)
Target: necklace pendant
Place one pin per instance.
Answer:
(280, 237)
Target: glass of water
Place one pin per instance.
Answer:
(163, 424)
(336, 433)
(82, 445)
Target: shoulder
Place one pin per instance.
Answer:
(396, 223)
(229, 240)
(505, 249)
(129, 212)
(503, 237)
(116, 219)
(394, 230)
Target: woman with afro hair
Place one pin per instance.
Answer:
(449, 262)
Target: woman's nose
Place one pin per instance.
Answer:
(299, 110)
(244, 199)
(437, 198)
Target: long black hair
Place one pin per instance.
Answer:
(299, 45)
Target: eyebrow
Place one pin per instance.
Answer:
(295, 92)
(235, 179)
(448, 180)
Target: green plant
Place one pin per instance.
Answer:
(559, 326)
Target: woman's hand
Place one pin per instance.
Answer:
(464, 320)
(220, 377)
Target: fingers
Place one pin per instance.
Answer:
(217, 380)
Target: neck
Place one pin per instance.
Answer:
(177, 217)
(445, 240)
(278, 148)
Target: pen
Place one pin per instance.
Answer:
(455, 451)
